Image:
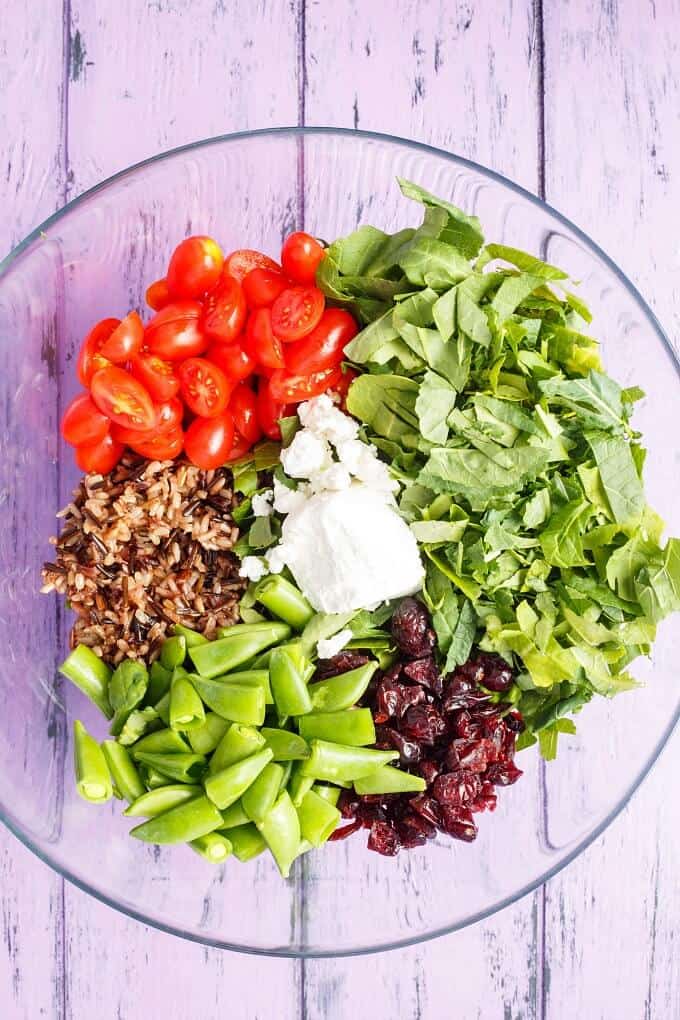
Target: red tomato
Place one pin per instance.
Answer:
(341, 387)
(208, 441)
(225, 311)
(243, 408)
(169, 417)
(300, 256)
(157, 294)
(175, 333)
(122, 398)
(159, 446)
(195, 267)
(240, 263)
(204, 387)
(99, 457)
(261, 344)
(296, 312)
(126, 340)
(270, 410)
(236, 363)
(324, 346)
(83, 422)
(261, 287)
(89, 358)
(291, 389)
(239, 448)
(156, 375)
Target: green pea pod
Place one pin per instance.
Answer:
(260, 797)
(183, 768)
(159, 683)
(163, 708)
(289, 687)
(91, 675)
(220, 657)
(125, 776)
(284, 600)
(224, 788)
(181, 824)
(161, 742)
(152, 778)
(213, 846)
(191, 637)
(286, 746)
(261, 627)
(93, 779)
(186, 707)
(205, 738)
(281, 831)
(329, 793)
(261, 661)
(238, 742)
(299, 784)
(342, 691)
(337, 761)
(287, 770)
(233, 816)
(353, 726)
(390, 780)
(318, 818)
(173, 652)
(252, 678)
(235, 702)
(158, 801)
(246, 842)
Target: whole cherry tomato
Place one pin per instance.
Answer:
(291, 389)
(99, 457)
(159, 446)
(234, 361)
(243, 409)
(195, 267)
(156, 375)
(240, 263)
(83, 422)
(239, 448)
(122, 398)
(126, 341)
(175, 332)
(157, 294)
(89, 358)
(208, 441)
(324, 346)
(169, 415)
(300, 256)
(270, 410)
(296, 312)
(204, 387)
(261, 344)
(225, 311)
(261, 287)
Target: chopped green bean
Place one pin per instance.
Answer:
(242, 629)
(318, 818)
(233, 816)
(285, 745)
(238, 742)
(299, 784)
(342, 691)
(139, 722)
(186, 707)
(205, 738)
(329, 793)
(389, 780)
(287, 674)
(157, 801)
(287, 767)
(181, 824)
(224, 788)
(191, 637)
(173, 652)
(91, 675)
(284, 600)
(93, 779)
(183, 768)
(219, 657)
(235, 702)
(159, 683)
(281, 831)
(352, 726)
(163, 708)
(260, 797)
(213, 846)
(246, 842)
(152, 778)
(251, 678)
(126, 779)
(337, 761)
(165, 741)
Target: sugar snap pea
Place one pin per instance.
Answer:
(246, 842)
(284, 600)
(183, 767)
(219, 657)
(205, 738)
(197, 817)
(125, 776)
(318, 818)
(342, 691)
(91, 675)
(93, 779)
(340, 762)
(352, 726)
(287, 668)
(224, 788)
(281, 831)
(260, 797)
(156, 802)
(214, 846)
(173, 652)
(238, 742)
(186, 708)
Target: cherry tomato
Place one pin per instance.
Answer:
(324, 346)
(122, 398)
(270, 410)
(169, 417)
(225, 311)
(89, 358)
(126, 340)
(99, 457)
(157, 294)
(159, 446)
(156, 375)
(296, 312)
(243, 408)
(341, 387)
(239, 448)
(291, 389)
(83, 422)
(261, 344)
(204, 387)
(261, 287)
(234, 361)
(208, 441)
(195, 267)
(240, 263)
(300, 256)
(175, 333)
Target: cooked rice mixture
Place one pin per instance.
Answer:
(143, 548)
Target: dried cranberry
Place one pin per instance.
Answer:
(429, 770)
(383, 839)
(424, 724)
(343, 662)
(409, 750)
(345, 831)
(457, 788)
(393, 698)
(369, 812)
(503, 773)
(428, 808)
(411, 629)
(514, 722)
(348, 802)
(425, 672)
(475, 755)
(496, 674)
(414, 831)
(459, 823)
(462, 693)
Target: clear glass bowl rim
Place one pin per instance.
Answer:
(648, 314)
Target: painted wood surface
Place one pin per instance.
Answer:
(578, 99)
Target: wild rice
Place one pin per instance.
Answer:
(142, 548)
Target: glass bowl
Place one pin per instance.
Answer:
(93, 259)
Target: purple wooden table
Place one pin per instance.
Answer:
(579, 102)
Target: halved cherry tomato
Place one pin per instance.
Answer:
(208, 441)
(169, 415)
(126, 340)
(122, 398)
(195, 267)
(204, 387)
(291, 389)
(234, 361)
(243, 408)
(99, 457)
(261, 344)
(156, 375)
(300, 256)
(225, 311)
(296, 312)
(324, 346)
(83, 422)
(161, 446)
(261, 287)
(175, 332)
(239, 448)
(270, 410)
(240, 263)
(157, 294)
(341, 387)
(89, 358)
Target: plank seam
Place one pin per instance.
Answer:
(539, 46)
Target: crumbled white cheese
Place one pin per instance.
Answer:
(322, 417)
(286, 500)
(253, 568)
(307, 454)
(326, 648)
(332, 479)
(262, 503)
(276, 559)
